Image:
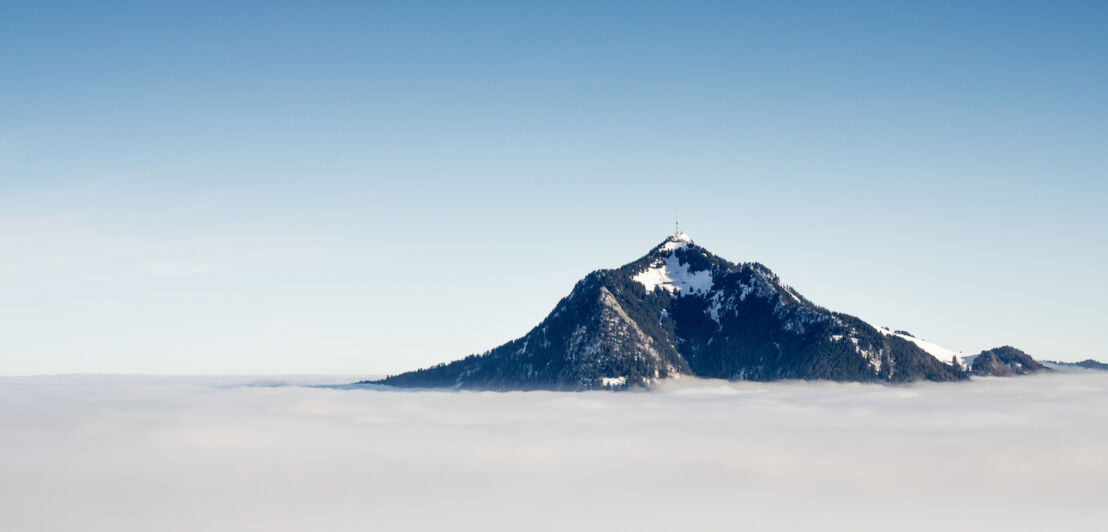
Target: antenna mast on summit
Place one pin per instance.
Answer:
(676, 224)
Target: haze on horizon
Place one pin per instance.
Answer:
(365, 189)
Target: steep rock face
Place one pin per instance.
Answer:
(589, 341)
(1005, 362)
(680, 310)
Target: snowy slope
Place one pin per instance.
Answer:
(674, 276)
(944, 354)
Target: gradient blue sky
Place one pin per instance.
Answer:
(370, 187)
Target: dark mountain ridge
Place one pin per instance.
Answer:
(1084, 364)
(1005, 361)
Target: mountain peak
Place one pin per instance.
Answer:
(675, 241)
(680, 310)
(671, 271)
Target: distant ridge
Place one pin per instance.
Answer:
(1084, 364)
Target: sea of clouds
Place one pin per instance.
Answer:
(142, 453)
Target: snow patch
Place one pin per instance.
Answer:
(674, 277)
(758, 284)
(674, 245)
(613, 382)
(943, 354)
(716, 306)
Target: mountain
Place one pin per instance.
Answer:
(1092, 364)
(680, 310)
(1084, 364)
(1005, 361)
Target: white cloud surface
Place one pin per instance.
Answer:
(214, 454)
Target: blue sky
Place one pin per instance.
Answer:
(370, 187)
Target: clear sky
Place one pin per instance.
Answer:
(202, 187)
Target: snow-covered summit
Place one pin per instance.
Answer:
(677, 241)
(672, 274)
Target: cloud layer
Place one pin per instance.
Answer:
(161, 453)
